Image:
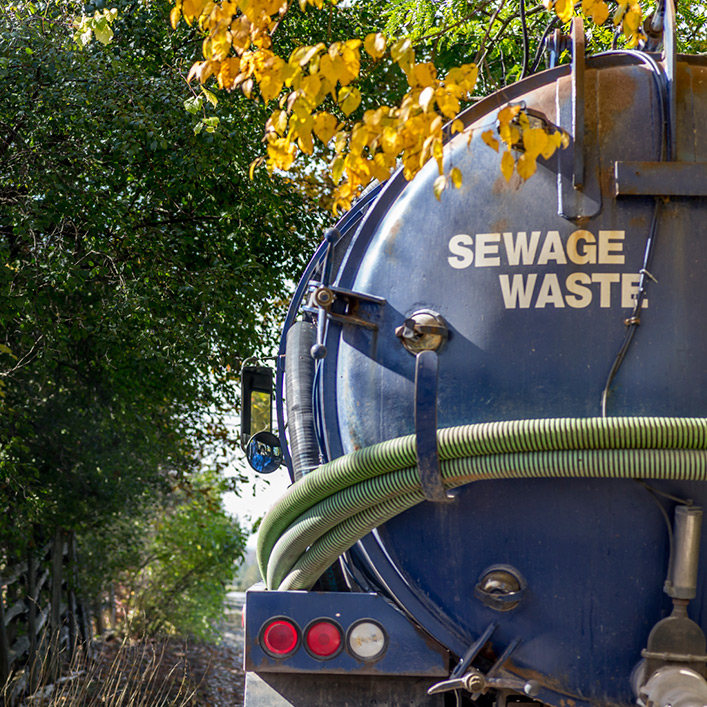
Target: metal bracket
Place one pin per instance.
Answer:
(578, 192)
(341, 306)
(345, 306)
(426, 370)
(578, 50)
(660, 178)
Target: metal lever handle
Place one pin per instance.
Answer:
(476, 682)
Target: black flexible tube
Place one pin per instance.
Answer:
(299, 376)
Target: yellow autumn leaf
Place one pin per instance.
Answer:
(379, 169)
(311, 85)
(426, 96)
(600, 13)
(457, 126)
(228, 72)
(305, 142)
(175, 14)
(349, 99)
(281, 153)
(490, 140)
(277, 122)
(447, 103)
(401, 49)
(554, 140)
(337, 168)
(359, 138)
(456, 176)
(505, 115)
(192, 9)
(507, 165)
(425, 74)
(509, 133)
(341, 72)
(375, 44)
(351, 62)
(220, 45)
(270, 87)
(325, 126)
(253, 165)
(534, 141)
(328, 70)
(439, 186)
(390, 141)
(526, 166)
(564, 9)
(632, 20)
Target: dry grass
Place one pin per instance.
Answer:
(122, 674)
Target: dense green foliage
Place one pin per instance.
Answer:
(138, 263)
(491, 34)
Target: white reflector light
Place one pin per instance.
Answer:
(366, 640)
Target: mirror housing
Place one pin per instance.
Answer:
(256, 401)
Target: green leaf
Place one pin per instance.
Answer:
(210, 97)
(193, 105)
(103, 30)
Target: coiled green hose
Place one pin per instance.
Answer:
(327, 511)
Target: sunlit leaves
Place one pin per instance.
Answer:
(318, 88)
(597, 10)
(528, 140)
(325, 126)
(507, 165)
(349, 99)
(564, 9)
(98, 25)
(375, 45)
(440, 184)
(488, 137)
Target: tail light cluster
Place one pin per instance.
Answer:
(323, 638)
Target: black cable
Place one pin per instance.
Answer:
(634, 320)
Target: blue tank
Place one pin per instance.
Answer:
(522, 296)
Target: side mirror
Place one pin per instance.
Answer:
(256, 401)
(264, 452)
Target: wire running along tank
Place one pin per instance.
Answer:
(534, 281)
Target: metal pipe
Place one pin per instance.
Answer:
(682, 582)
(675, 687)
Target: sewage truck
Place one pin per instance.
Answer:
(494, 411)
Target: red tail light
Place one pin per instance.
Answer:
(280, 637)
(323, 638)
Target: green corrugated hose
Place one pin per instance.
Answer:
(327, 511)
